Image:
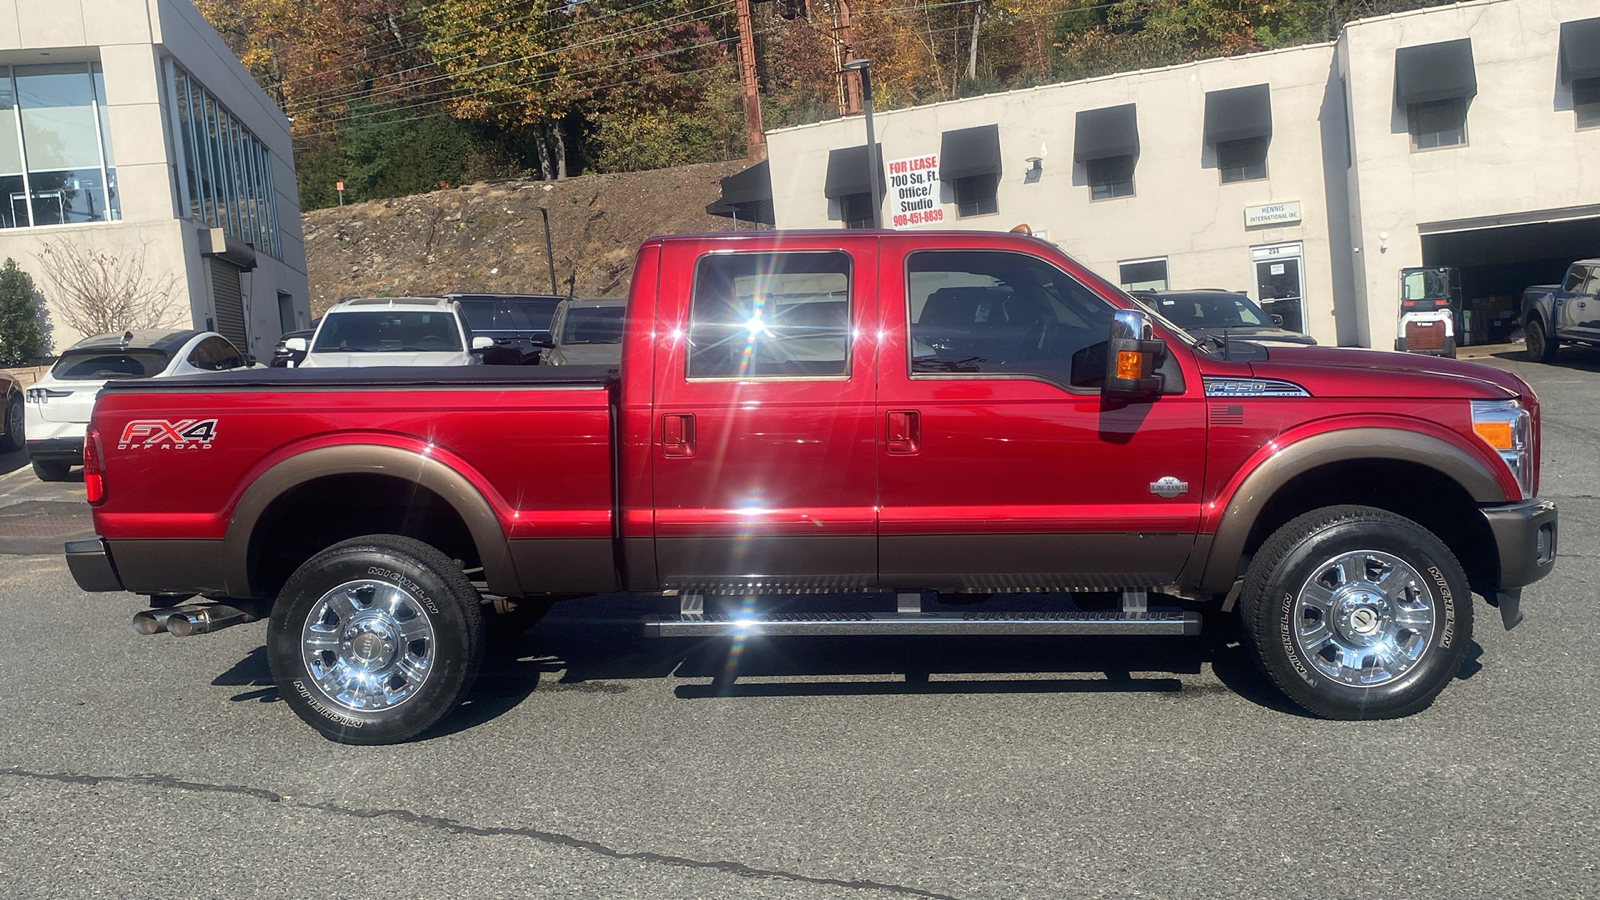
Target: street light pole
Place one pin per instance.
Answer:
(864, 67)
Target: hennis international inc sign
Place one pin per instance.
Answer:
(1286, 213)
(914, 192)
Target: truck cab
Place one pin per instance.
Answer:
(1569, 311)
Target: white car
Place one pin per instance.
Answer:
(59, 404)
(404, 331)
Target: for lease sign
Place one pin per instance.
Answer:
(914, 191)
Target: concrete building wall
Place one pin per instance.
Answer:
(135, 41)
(1180, 210)
(1524, 160)
(1340, 147)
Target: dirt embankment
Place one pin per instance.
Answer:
(490, 237)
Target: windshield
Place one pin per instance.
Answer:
(384, 331)
(593, 325)
(90, 365)
(529, 314)
(1211, 311)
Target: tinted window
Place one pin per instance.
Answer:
(1202, 311)
(1575, 277)
(998, 313)
(88, 365)
(593, 325)
(216, 354)
(1438, 123)
(1110, 177)
(1242, 160)
(757, 315)
(531, 314)
(377, 331)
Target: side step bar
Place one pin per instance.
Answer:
(1134, 618)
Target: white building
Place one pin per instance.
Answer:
(127, 126)
(1464, 136)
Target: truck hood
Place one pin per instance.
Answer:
(1355, 372)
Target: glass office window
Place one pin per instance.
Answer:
(228, 171)
(56, 166)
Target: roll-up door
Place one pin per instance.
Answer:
(228, 299)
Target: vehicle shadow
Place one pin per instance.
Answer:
(1576, 357)
(10, 462)
(596, 646)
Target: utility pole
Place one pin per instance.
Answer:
(757, 150)
(863, 68)
(844, 39)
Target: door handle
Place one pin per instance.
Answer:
(905, 432)
(677, 435)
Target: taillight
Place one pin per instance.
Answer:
(94, 475)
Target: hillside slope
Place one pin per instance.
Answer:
(490, 237)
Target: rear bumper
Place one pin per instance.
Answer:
(91, 567)
(64, 449)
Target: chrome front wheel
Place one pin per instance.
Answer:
(1363, 618)
(1357, 613)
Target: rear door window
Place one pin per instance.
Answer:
(770, 315)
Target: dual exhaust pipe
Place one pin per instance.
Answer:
(204, 618)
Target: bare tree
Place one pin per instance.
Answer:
(96, 292)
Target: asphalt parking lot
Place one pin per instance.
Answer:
(594, 763)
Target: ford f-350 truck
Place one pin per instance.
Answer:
(904, 415)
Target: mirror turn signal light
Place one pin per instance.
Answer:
(1130, 364)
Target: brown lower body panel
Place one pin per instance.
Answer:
(566, 565)
(171, 567)
(1000, 563)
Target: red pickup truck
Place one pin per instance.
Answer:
(917, 416)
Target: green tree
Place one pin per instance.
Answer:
(20, 337)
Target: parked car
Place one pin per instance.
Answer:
(11, 414)
(403, 331)
(587, 332)
(58, 406)
(516, 321)
(1057, 438)
(1552, 313)
(283, 357)
(1220, 314)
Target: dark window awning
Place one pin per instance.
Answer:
(1106, 132)
(1441, 71)
(966, 152)
(746, 196)
(1580, 50)
(1238, 114)
(847, 172)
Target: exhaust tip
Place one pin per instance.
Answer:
(151, 621)
(182, 624)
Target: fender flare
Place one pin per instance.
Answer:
(367, 459)
(1345, 445)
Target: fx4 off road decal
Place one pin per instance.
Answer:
(168, 434)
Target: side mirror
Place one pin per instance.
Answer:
(1277, 320)
(298, 345)
(1132, 354)
(482, 343)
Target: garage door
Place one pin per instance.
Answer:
(227, 298)
(1497, 263)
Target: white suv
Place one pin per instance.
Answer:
(404, 331)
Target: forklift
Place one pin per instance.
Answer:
(1430, 297)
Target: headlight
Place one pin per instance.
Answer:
(1507, 427)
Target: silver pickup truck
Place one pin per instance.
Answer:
(1569, 311)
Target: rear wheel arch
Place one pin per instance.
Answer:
(426, 480)
(1411, 474)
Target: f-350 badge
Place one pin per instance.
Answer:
(1169, 487)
